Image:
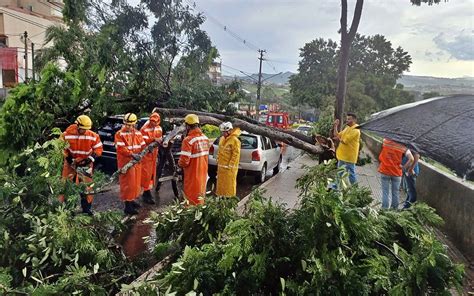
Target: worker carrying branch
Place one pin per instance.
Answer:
(129, 142)
(194, 161)
(228, 158)
(84, 146)
(151, 132)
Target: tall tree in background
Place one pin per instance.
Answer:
(373, 70)
(346, 41)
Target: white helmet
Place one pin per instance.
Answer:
(225, 126)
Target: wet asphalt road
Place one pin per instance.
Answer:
(110, 200)
(132, 241)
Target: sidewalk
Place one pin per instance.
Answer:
(281, 188)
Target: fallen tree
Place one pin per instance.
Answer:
(301, 142)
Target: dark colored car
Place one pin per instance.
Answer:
(108, 161)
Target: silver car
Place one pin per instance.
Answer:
(258, 155)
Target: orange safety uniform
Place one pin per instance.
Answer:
(194, 161)
(150, 134)
(391, 158)
(79, 147)
(128, 142)
(228, 158)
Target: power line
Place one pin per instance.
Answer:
(24, 19)
(53, 8)
(38, 34)
(235, 69)
(224, 27)
(282, 62)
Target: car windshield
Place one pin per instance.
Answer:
(304, 128)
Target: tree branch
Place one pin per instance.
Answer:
(356, 19)
(343, 19)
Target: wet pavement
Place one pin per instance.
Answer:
(133, 239)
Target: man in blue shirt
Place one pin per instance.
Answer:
(410, 179)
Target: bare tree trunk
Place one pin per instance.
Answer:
(276, 134)
(346, 43)
(223, 117)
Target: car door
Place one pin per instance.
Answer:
(275, 152)
(268, 153)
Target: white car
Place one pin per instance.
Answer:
(304, 129)
(258, 155)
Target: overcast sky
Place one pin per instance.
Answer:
(439, 38)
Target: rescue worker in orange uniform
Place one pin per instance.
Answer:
(129, 143)
(228, 158)
(84, 146)
(151, 132)
(194, 161)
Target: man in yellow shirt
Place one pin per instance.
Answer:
(348, 150)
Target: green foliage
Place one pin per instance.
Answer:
(45, 249)
(374, 68)
(325, 123)
(31, 111)
(431, 94)
(178, 227)
(333, 244)
(211, 131)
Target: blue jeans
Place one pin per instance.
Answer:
(350, 168)
(390, 183)
(410, 182)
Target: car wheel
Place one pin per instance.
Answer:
(276, 170)
(260, 177)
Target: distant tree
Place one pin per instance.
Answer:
(347, 36)
(431, 94)
(374, 67)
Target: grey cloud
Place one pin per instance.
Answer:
(461, 46)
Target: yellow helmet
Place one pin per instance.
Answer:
(84, 122)
(191, 119)
(130, 118)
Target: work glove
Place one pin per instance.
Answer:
(92, 157)
(84, 162)
(69, 159)
(136, 157)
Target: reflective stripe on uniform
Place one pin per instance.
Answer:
(198, 139)
(97, 145)
(80, 152)
(120, 143)
(185, 153)
(196, 155)
(79, 137)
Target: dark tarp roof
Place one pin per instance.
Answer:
(440, 128)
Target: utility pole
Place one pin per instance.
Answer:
(259, 83)
(33, 60)
(25, 35)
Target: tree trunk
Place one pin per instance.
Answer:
(276, 134)
(223, 117)
(346, 43)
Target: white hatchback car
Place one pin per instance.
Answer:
(258, 155)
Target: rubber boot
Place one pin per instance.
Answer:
(129, 209)
(86, 207)
(148, 198)
(135, 204)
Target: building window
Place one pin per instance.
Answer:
(3, 41)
